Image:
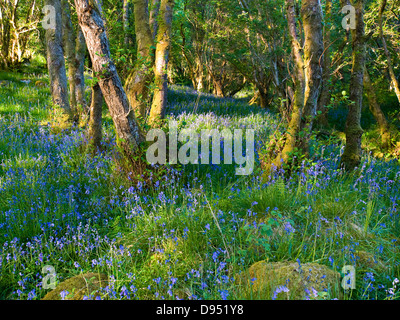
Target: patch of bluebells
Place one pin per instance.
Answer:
(58, 204)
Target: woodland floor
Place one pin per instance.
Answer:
(192, 232)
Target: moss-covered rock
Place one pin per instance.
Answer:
(87, 284)
(262, 279)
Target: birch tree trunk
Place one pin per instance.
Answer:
(69, 51)
(157, 112)
(311, 13)
(56, 62)
(95, 122)
(129, 135)
(80, 69)
(138, 81)
(351, 157)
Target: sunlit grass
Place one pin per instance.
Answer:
(191, 232)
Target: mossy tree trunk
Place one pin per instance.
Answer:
(154, 8)
(307, 75)
(129, 135)
(298, 99)
(311, 14)
(351, 157)
(377, 111)
(56, 62)
(159, 104)
(95, 122)
(69, 51)
(138, 81)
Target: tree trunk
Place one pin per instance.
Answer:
(218, 87)
(153, 16)
(377, 111)
(298, 99)
(138, 81)
(311, 13)
(128, 38)
(393, 78)
(157, 112)
(198, 80)
(351, 157)
(69, 51)
(263, 95)
(129, 135)
(56, 63)
(325, 96)
(80, 69)
(95, 122)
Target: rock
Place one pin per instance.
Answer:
(79, 286)
(263, 278)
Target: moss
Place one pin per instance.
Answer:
(79, 286)
(262, 278)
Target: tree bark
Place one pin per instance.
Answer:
(69, 51)
(351, 157)
(157, 112)
(377, 111)
(263, 97)
(311, 13)
(128, 37)
(129, 135)
(153, 16)
(307, 78)
(95, 122)
(56, 62)
(293, 130)
(80, 69)
(138, 81)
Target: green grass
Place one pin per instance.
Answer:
(194, 230)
